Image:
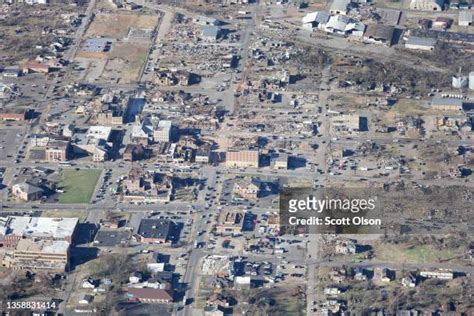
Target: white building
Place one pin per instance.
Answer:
(465, 18)
(427, 5)
(315, 19)
(459, 82)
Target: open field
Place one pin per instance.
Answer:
(65, 213)
(78, 185)
(117, 25)
(125, 61)
(419, 254)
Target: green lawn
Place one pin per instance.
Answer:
(80, 214)
(418, 254)
(78, 185)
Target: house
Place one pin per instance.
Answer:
(149, 295)
(218, 300)
(315, 20)
(410, 280)
(156, 230)
(427, 5)
(135, 277)
(379, 33)
(421, 43)
(88, 284)
(465, 18)
(355, 29)
(383, 274)
(210, 33)
(337, 24)
(85, 299)
(340, 7)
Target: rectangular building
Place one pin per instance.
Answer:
(57, 150)
(242, 159)
(162, 132)
(421, 43)
(16, 228)
(43, 255)
(149, 295)
(155, 230)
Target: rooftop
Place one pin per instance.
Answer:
(37, 226)
(45, 246)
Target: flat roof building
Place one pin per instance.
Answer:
(447, 103)
(242, 159)
(465, 18)
(420, 43)
(99, 132)
(155, 230)
(210, 33)
(15, 228)
(44, 255)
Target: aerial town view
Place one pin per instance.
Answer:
(237, 157)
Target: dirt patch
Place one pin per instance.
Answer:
(117, 25)
(125, 61)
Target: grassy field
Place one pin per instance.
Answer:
(78, 185)
(81, 214)
(419, 254)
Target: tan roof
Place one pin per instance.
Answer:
(151, 294)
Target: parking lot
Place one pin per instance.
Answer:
(10, 140)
